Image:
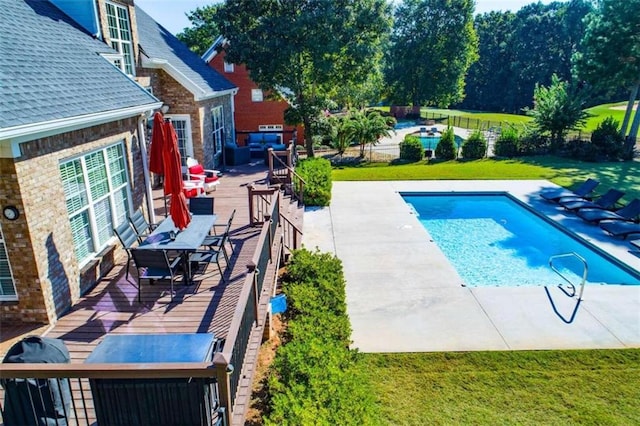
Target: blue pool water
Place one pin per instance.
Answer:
(493, 240)
(431, 142)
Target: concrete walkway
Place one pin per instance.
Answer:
(404, 296)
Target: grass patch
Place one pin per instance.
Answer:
(561, 171)
(476, 115)
(519, 387)
(600, 112)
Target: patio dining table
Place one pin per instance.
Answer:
(186, 241)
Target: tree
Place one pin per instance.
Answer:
(343, 130)
(433, 43)
(370, 127)
(557, 109)
(204, 30)
(305, 48)
(610, 56)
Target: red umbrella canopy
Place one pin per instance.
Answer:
(173, 185)
(156, 164)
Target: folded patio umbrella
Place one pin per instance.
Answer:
(156, 163)
(173, 184)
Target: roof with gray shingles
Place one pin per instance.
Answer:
(50, 68)
(158, 43)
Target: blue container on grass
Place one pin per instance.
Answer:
(278, 304)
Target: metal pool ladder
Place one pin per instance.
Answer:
(572, 286)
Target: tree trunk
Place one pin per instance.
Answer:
(627, 115)
(308, 139)
(630, 142)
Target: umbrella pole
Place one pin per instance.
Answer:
(145, 170)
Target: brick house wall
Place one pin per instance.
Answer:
(249, 114)
(48, 278)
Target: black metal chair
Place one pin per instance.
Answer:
(216, 241)
(140, 225)
(201, 205)
(153, 264)
(128, 238)
(211, 256)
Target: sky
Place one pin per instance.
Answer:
(171, 14)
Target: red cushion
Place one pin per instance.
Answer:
(191, 193)
(210, 179)
(196, 170)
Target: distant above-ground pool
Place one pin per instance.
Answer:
(492, 239)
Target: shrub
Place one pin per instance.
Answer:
(315, 378)
(475, 147)
(316, 173)
(508, 143)
(411, 148)
(581, 150)
(607, 139)
(446, 149)
(533, 142)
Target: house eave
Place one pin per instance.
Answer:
(11, 137)
(199, 94)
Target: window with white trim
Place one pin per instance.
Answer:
(120, 35)
(182, 124)
(256, 95)
(228, 67)
(7, 284)
(96, 189)
(217, 118)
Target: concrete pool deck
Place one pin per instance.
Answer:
(404, 296)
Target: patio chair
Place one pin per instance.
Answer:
(201, 205)
(628, 213)
(582, 191)
(211, 256)
(154, 265)
(620, 229)
(635, 243)
(128, 239)
(209, 178)
(140, 225)
(216, 241)
(607, 201)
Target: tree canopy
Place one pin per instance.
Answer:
(433, 43)
(203, 32)
(305, 48)
(610, 57)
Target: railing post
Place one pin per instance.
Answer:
(267, 219)
(253, 269)
(250, 189)
(270, 157)
(223, 369)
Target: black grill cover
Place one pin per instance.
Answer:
(37, 401)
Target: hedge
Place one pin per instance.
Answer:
(316, 173)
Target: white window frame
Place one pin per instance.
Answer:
(120, 36)
(6, 273)
(96, 240)
(185, 143)
(217, 123)
(228, 67)
(257, 95)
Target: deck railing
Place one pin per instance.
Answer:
(222, 377)
(282, 172)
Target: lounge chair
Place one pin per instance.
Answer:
(635, 243)
(582, 191)
(619, 228)
(607, 201)
(628, 213)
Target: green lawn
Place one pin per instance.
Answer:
(594, 387)
(562, 171)
(600, 112)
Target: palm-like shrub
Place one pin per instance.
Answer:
(446, 149)
(475, 147)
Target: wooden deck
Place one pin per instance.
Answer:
(206, 306)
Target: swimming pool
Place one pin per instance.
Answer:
(492, 239)
(431, 142)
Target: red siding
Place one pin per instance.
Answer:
(248, 114)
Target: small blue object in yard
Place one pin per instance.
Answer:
(278, 304)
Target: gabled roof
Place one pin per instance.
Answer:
(161, 49)
(212, 51)
(52, 73)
